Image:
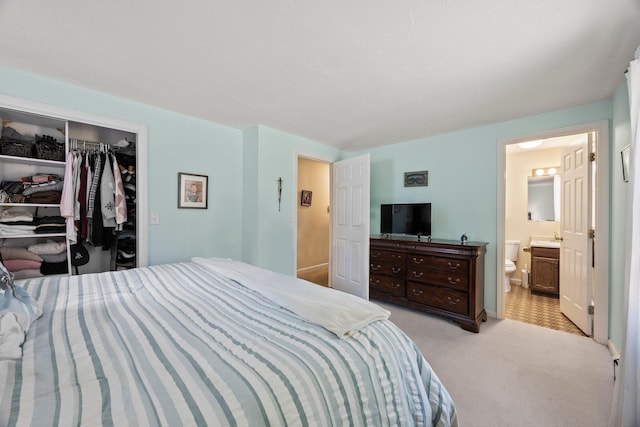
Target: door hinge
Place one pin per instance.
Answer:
(592, 157)
(592, 234)
(591, 309)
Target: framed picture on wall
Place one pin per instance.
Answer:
(305, 198)
(416, 179)
(193, 191)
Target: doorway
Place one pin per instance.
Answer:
(509, 222)
(313, 220)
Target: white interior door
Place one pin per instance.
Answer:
(575, 222)
(350, 226)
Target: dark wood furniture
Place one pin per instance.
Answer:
(545, 270)
(442, 277)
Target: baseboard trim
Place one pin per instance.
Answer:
(613, 351)
(313, 268)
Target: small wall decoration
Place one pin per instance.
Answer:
(279, 181)
(626, 151)
(416, 179)
(305, 198)
(193, 191)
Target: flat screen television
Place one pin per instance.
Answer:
(406, 218)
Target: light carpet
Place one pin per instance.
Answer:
(513, 373)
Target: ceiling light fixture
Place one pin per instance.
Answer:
(530, 144)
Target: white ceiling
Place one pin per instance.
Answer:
(351, 74)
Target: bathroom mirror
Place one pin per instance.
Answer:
(541, 199)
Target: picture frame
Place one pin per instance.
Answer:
(193, 191)
(305, 198)
(625, 153)
(416, 179)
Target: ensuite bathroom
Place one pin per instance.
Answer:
(533, 233)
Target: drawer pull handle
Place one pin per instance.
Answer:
(396, 286)
(416, 292)
(453, 282)
(396, 270)
(452, 302)
(417, 274)
(418, 261)
(375, 254)
(454, 267)
(374, 282)
(375, 267)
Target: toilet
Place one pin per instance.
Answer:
(511, 248)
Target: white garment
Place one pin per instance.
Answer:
(77, 169)
(66, 200)
(107, 194)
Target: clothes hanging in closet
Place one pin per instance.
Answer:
(92, 201)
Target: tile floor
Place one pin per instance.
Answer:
(537, 309)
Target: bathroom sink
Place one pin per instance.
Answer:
(545, 244)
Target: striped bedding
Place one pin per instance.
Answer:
(181, 345)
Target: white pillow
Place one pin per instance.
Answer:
(17, 312)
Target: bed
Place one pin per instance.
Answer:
(213, 342)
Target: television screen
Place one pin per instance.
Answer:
(406, 218)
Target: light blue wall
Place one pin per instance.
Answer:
(177, 143)
(621, 136)
(251, 181)
(243, 221)
(270, 233)
(462, 177)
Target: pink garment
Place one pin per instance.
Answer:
(21, 264)
(66, 200)
(120, 202)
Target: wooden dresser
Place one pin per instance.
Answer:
(443, 277)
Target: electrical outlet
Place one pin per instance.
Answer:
(155, 218)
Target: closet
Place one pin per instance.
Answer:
(34, 235)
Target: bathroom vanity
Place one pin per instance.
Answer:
(442, 277)
(545, 269)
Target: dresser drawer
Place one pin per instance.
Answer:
(443, 277)
(376, 255)
(439, 278)
(389, 285)
(387, 268)
(454, 265)
(443, 298)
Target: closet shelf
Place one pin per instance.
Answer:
(31, 161)
(31, 236)
(31, 205)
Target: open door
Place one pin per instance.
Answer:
(350, 226)
(576, 251)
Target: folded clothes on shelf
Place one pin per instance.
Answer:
(48, 248)
(54, 268)
(21, 264)
(42, 197)
(46, 186)
(18, 253)
(16, 230)
(15, 215)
